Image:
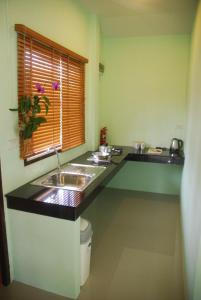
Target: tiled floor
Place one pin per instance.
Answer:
(136, 250)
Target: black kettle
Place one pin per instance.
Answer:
(176, 146)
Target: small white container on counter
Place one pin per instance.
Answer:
(139, 146)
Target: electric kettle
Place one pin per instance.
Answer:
(176, 146)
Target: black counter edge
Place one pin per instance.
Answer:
(72, 213)
(177, 160)
(61, 211)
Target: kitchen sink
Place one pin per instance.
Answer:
(71, 177)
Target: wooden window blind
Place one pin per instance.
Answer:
(43, 61)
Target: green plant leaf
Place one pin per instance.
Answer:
(28, 104)
(40, 120)
(36, 99)
(34, 127)
(37, 120)
(46, 100)
(38, 109)
(46, 108)
(22, 105)
(13, 109)
(27, 132)
(25, 104)
(29, 107)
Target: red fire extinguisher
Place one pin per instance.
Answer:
(103, 136)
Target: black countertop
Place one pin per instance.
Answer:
(66, 204)
(164, 157)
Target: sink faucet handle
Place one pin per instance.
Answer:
(58, 158)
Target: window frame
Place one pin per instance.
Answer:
(71, 57)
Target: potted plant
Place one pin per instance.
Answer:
(28, 108)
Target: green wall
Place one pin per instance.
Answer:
(148, 177)
(143, 89)
(69, 24)
(191, 181)
(144, 97)
(42, 256)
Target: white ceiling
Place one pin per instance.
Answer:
(123, 18)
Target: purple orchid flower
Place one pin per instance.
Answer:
(55, 85)
(40, 88)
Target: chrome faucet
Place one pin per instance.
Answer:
(58, 160)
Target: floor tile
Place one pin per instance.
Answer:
(136, 250)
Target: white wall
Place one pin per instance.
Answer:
(191, 182)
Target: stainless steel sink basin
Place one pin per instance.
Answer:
(72, 177)
(66, 180)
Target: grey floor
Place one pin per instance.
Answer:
(136, 251)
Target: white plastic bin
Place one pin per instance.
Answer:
(85, 249)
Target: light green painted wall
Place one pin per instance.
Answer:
(197, 293)
(92, 106)
(148, 177)
(70, 25)
(42, 256)
(143, 97)
(191, 187)
(143, 89)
